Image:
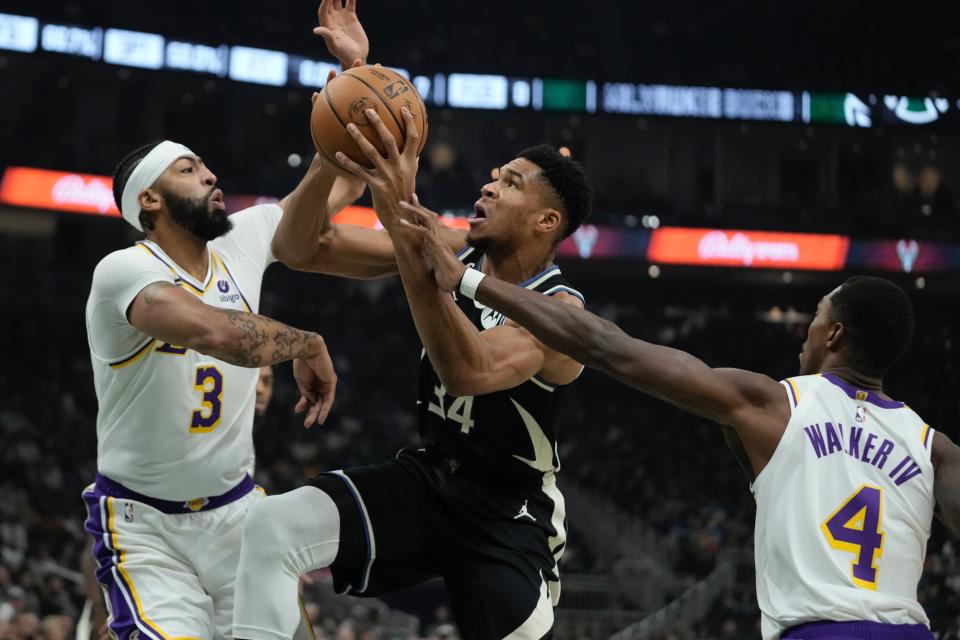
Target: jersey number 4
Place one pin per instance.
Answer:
(855, 528)
(208, 381)
(459, 411)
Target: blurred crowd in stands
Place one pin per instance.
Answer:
(669, 470)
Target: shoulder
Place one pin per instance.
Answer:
(258, 216)
(127, 264)
(798, 386)
(124, 259)
(552, 282)
(943, 450)
(251, 233)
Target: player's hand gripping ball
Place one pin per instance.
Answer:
(347, 97)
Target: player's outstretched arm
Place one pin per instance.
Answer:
(754, 404)
(166, 312)
(946, 484)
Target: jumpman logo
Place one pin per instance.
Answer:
(524, 513)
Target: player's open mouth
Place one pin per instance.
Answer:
(217, 199)
(479, 215)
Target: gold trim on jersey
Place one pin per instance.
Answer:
(796, 392)
(924, 435)
(136, 355)
(179, 277)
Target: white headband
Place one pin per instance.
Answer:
(146, 173)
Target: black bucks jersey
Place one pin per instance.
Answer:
(509, 436)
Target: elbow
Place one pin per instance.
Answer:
(290, 259)
(601, 346)
(216, 339)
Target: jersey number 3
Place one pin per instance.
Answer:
(209, 381)
(855, 528)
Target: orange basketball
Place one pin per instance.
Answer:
(346, 99)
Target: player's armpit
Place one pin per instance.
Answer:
(945, 456)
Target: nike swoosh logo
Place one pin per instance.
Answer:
(543, 452)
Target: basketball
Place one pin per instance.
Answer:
(347, 97)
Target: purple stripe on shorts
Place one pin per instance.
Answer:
(125, 618)
(122, 620)
(857, 631)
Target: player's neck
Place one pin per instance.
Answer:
(855, 378)
(184, 248)
(517, 265)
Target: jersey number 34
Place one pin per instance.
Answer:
(855, 528)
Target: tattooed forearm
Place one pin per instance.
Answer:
(260, 341)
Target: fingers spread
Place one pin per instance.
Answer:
(311, 418)
(365, 145)
(327, 401)
(389, 142)
(301, 405)
(354, 169)
(413, 134)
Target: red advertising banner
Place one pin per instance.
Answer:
(748, 249)
(58, 190)
(366, 217)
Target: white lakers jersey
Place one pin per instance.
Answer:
(844, 509)
(173, 423)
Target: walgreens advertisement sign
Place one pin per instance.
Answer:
(750, 249)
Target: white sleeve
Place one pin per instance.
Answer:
(117, 281)
(253, 230)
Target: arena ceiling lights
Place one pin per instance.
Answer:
(142, 50)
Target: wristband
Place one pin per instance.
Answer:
(470, 281)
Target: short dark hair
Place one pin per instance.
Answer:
(877, 316)
(125, 167)
(568, 181)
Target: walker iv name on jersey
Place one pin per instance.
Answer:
(860, 443)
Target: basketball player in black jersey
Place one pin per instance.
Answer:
(478, 505)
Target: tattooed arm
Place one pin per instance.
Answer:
(167, 312)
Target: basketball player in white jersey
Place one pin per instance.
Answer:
(176, 345)
(847, 480)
